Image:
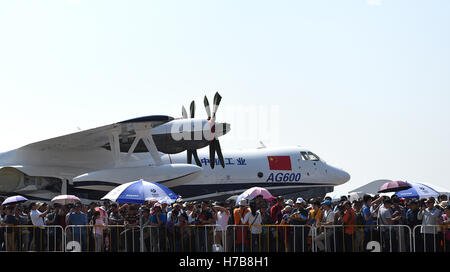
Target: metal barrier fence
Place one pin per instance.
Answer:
(121, 238)
(189, 238)
(269, 238)
(361, 238)
(111, 238)
(433, 238)
(32, 238)
(235, 238)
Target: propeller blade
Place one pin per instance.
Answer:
(217, 99)
(189, 157)
(208, 110)
(197, 160)
(219, 152)
(192, 109)
(184, 112)
(212, 157)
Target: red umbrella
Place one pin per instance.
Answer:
(394, 186)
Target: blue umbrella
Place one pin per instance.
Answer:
(418, 190)
(14, 200)
(139, 192)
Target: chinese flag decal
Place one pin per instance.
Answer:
(280, 163)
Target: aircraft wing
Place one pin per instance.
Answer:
(100, 136)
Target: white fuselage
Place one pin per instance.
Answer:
(95, 170)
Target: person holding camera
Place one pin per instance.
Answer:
(37, 215)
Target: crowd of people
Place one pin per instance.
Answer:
(279, 225)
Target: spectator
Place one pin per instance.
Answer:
(98, 224)
(399, 210)
(22, 220)
(241, 239)
(173, 221)
(56, 221)
(10, 222)
(205, 234)
(158, 220)
(324, 231)
(298, 219)
(348, 220)
(37, 218)
(446, 231)
(254, 220)
(358, 236)
(412, 221)
(386, 219)
(114, 221)
(275, 211)
(442, 198)
(221, 217)
(78, 218)
(430, 217)
(368, 219)
(131, 220)
(260, 201)
(314, 217)
(91, 211)
(267, 234)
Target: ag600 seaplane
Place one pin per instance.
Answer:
(162, 149)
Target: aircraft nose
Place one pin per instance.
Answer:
(340, 176)
(344, 176)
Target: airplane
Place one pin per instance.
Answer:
(160, 148)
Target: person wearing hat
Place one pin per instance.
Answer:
(430, 217)
(241, 242)
(323, 239)
(289, 202)
(298, 218)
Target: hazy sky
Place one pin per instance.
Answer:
(365, 84)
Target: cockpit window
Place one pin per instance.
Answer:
(313, 156)
(305, 156)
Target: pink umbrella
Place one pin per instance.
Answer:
(394, 186)
(65, 199)
(254, 192)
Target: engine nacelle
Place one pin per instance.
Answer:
(169, 175)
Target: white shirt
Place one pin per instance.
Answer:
(36, 219)
(254, 220)
(429, 218)
(222, 221)
(328, 216)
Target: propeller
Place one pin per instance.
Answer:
(191, 152)
(214, 145)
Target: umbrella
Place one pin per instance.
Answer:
(65, 199)
(139, 192)
(254, 192)
(14, 200)
(419, 191)
(394, 186)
